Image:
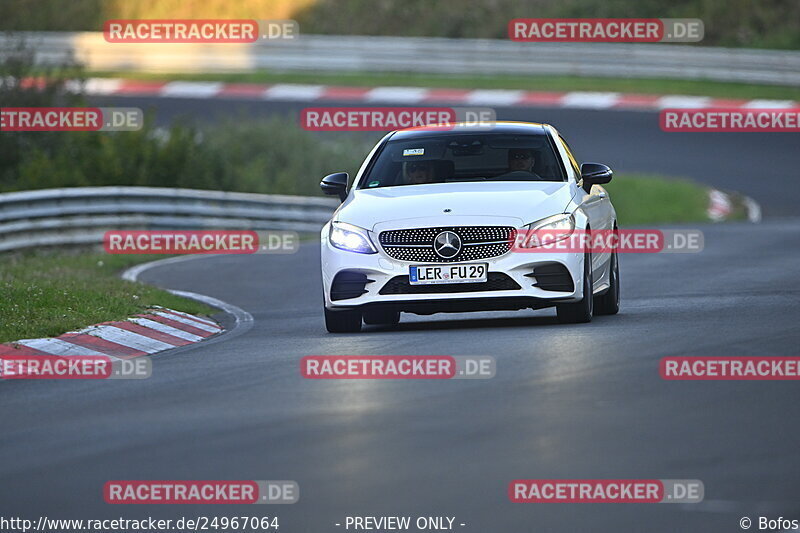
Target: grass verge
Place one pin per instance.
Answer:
(47, 294)
(642, 199)
(528, 83)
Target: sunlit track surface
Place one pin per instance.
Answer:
(760, 165)
(582, 401)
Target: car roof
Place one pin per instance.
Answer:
(460, 128)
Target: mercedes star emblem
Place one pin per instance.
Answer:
(447, 245)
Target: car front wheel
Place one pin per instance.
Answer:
(608, 304)
(580, 312)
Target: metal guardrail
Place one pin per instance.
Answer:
(340, 53)
(81, 215)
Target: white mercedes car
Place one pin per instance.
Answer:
(430, 221)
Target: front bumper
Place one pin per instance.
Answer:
(379, 270)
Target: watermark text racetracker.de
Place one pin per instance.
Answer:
(200, 242)
(198, 31)
(397, 367)
(73, 367)
(606, 30)
(636, 241)
(606, 491)
(394, 118)
(730, 120)
(201, 492)
(30, 119)
(738, 368)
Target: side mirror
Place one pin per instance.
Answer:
(335, 185)
(595, 173)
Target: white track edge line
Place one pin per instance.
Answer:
(243, 320)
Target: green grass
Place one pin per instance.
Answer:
(47, 294)
(273, 155)
(642, 199)
(528, 83)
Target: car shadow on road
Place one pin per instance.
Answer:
(467, 323)
(445, 324)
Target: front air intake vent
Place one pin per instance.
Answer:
(348, 284)
(552, 277)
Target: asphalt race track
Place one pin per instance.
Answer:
(568, 401)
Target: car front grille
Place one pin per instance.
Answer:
(477, 242)
(496, 281)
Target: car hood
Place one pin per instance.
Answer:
(507, 203)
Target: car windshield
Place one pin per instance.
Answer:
(460, 158)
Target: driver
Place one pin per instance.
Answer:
(520, 159)
(418, 172)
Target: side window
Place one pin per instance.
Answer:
(574, 162)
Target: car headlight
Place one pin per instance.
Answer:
(548, 230)
(351, 238)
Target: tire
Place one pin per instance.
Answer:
(342, 321)
(608, 303)
(580, 312)
(382, 317)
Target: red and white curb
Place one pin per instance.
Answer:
(720, 207)
(156, 330)
(416, 95)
